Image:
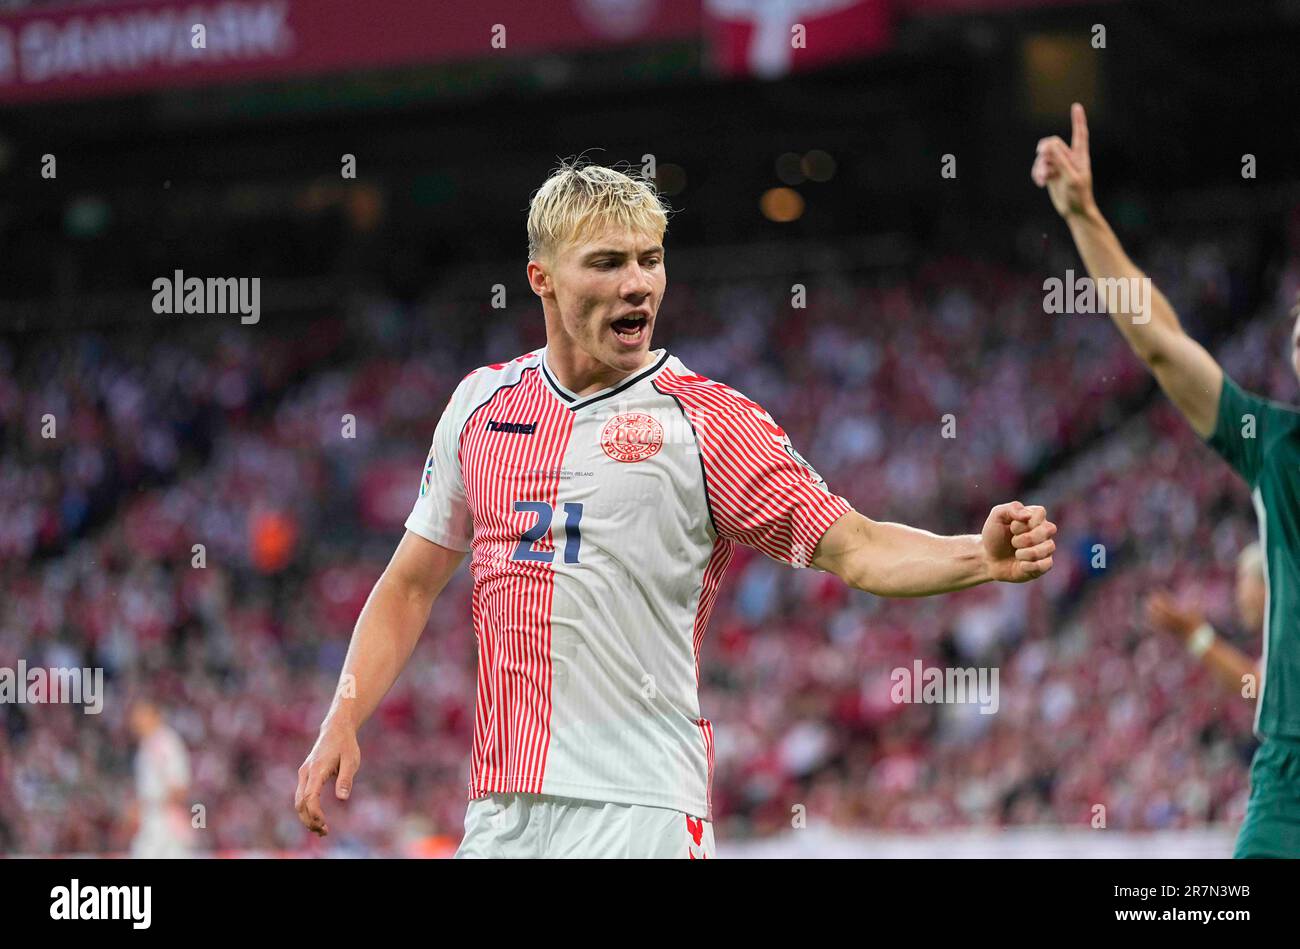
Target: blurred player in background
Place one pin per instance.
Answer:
(602, 487)
(1260, 439)
(1228, 663)
(161, 814)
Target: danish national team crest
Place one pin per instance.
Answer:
(633, 436)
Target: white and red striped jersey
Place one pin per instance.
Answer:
(162, 767)
(599, 528)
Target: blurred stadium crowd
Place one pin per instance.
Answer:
(234, 437)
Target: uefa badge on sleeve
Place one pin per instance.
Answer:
(790, 450)
(427, 481)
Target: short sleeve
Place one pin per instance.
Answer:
(441, 513)
(762, 493)
(1240, 430)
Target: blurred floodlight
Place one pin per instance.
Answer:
(781, 204)
(789, 170)
(818, 165)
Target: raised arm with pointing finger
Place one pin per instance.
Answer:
(1188, 374)
(1258, 437)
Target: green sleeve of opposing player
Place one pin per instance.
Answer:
(1240, 430)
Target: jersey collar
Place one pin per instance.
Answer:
(575, 401)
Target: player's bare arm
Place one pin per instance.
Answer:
(385, 635)
(1187, 373)
(896, 560)
(1228, 664)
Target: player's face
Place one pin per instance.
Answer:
(608, 287)
(142, 718)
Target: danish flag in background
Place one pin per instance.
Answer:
(756, 37)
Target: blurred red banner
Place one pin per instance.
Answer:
(89, 50)
(771, 38)
(926, 7)
(112, 48)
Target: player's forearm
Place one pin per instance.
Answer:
(384, 638)
(1136, 306)
(1230, 665)
(1185, 370)
(897, 560)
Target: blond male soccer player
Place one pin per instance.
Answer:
(600, 488)
(1258, 438)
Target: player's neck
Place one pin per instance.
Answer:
(583, 375)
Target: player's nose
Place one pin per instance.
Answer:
(638, 282)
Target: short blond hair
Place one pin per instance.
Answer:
(580, 198)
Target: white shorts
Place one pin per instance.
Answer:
(542, 825)
(162, 837)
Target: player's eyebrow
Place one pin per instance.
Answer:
(614, 252)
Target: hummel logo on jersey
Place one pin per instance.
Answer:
(516, 428)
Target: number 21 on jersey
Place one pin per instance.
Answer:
(545, 513)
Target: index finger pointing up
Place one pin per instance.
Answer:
(1079, 129)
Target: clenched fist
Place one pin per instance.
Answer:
(1017, 542)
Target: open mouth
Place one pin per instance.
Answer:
(630, 329)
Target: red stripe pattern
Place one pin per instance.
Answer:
(759, 494)
(717, 566)
(512, 598)
(706, 731)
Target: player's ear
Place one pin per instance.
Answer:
(539, 278)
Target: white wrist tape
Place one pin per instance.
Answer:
(1198, 644)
